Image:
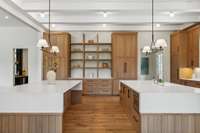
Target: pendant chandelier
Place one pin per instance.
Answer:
(42, 43)
(157, 45)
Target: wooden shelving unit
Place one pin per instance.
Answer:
(90, 60)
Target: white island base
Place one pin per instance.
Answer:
(161, 109)
(37, 108)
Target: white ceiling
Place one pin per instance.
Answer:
(7, 20)
(88, 14)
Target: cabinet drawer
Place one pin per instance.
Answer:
(98, 87)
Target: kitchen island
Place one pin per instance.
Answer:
(37, 107)
(154, 108)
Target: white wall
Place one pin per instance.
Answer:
(18, 37)
(144, 38)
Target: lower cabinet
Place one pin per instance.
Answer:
(130, 101)
(97, 87)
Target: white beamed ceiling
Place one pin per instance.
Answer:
(127, 15)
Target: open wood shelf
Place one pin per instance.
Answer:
(91, 43)
(92, 54)
(98, 59)
(91, 51)
(91, 68)
(77, 59)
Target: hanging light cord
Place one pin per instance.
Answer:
(50, 23)
(153, 39)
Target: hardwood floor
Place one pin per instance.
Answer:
(97, 114)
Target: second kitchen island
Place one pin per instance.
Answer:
(153, 108)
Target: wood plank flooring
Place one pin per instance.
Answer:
(97, 114)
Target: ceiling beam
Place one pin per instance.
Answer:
(112, 28)
(19, 13)
(118, 20)
(64, 6)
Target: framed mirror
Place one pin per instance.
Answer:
(20, 66)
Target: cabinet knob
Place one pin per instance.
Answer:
(192, 63)
(125, 67)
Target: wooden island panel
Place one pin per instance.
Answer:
(31, 123)
(38, 122)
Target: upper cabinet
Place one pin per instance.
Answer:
(124, 44)
(124, 55)
(62, 40)
(193, 46)
(184, 51)
(178, 53)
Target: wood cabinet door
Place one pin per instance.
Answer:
(130, 46)
(183, 49)
(196, 47)
(190, 49)
(62, 40)
(193, 47)
(124, 44)
(126, 68)
(175, 42)
(118, 43)
(174, 69)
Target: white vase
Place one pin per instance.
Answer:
(51, 77)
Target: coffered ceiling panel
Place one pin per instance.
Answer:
(91, 13)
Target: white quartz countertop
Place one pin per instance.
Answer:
(150, 87)
(39, 97)
(170, 98)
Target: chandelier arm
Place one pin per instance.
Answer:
(50, 23)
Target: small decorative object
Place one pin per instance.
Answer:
(197, 73)
(51, 77)
(145, 66)
(24, 73)
(105, 65)
(161, 82)
(90, 41)
(89, 57)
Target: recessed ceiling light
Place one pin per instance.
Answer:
(157, 25)
(53, 25)
(104, 25)
(6, 17)
(42, 15)
(105, 14)
(172, 14)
